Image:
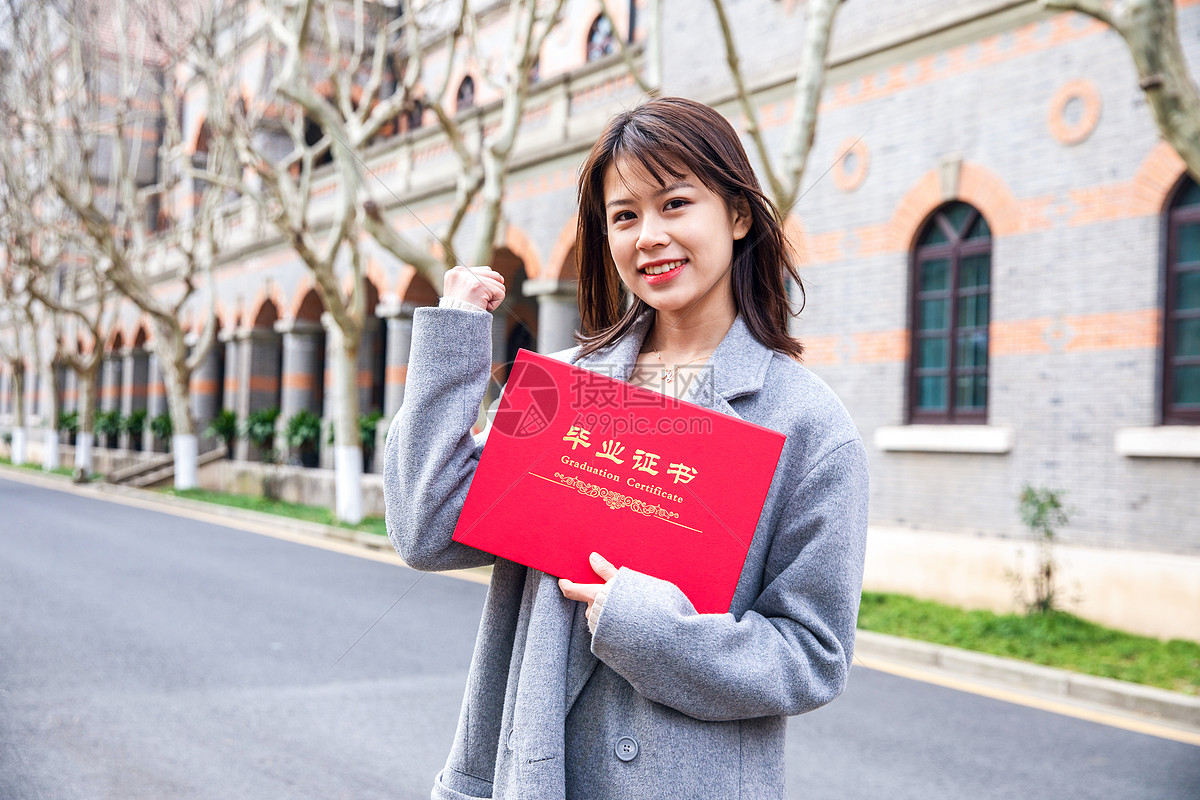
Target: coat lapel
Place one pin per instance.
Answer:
(738, 367)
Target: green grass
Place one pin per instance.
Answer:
(282, 508)
(1056, 639)
(37, 467)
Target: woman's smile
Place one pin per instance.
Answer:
(658, 272)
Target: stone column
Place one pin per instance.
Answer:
(399, 320)
(303, 367)
(134, 372)
(558, 313)
(70, 391)
(5, 390)
(110, 394)
(156, 399)
(368, 362)
(206, 389)
(258, 376)
(230, 388)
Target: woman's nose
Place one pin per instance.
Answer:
(653, 233)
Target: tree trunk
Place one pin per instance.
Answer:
(1151, 33)
(347, 450)
(48, 405)
(18, 434)
(172, 360)
(85, 439)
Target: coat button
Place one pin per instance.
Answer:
(512, 738)
(627, 748)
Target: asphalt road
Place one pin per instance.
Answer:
(144, 655)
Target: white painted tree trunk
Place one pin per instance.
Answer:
(347, 463)
(347, 452)
(85, 439)
(50, 458)
(186, 448)
(18, 446)
(172, 359)
(83, 452)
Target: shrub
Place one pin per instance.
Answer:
(303, 432)
(225, 427)
(1043, 512)
(162, 427)
(259, 429)
(68, 422)
(108, 424)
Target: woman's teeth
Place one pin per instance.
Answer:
(661, 268)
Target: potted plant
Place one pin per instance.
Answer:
(367, 425)
(224, 426)
(68, 425)
(162, 428)
(259, 429)
(108, 425)
(134, 425)
(303, 434)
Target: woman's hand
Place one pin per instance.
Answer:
(479, 286)
(587, 592)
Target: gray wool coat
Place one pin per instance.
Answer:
(661, 702)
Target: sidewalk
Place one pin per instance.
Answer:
(872, 650)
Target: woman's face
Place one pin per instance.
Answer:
(683, 231)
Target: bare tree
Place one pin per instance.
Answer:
(339, 80)
(104, 105)
(784, 177)
(649, 79)
(14, 336)
(1151, 33)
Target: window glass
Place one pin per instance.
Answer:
(951, 297)
(1188, 290)
(933, 353)
(1189, 243)
(935, 275)
(1187, 385)
(932, 393)
(975, 271)
(933, 315)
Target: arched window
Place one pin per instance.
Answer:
(951, 290)
(466, 94)
(1181, 315)
(601, 39)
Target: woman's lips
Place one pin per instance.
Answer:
(665, 276)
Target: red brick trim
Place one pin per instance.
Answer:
(1088, 95)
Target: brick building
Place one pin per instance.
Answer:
(996, 251)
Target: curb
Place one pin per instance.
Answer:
(1159, 704)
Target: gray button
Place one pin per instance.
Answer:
(627, 748)
(512, 738)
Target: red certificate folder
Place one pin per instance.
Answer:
(577, 461)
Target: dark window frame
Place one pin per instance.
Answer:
(464, 98)
(595, 53)
(954, 250)
(1176, 216)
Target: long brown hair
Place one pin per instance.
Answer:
(668, 136)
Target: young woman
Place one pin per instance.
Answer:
(618, 688)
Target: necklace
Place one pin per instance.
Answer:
(669, 374)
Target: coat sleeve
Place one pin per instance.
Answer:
(430, 454)
(791, 651)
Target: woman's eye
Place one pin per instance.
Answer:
(678, 202)
(622, 216)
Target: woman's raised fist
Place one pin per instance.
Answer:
(480, 286)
